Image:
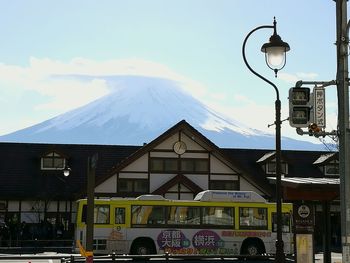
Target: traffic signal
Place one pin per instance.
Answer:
(299, 107)
(313, 128)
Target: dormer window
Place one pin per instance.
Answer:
(53, 161)
(329, 164)
(331, 169)
(270, 168)
(268, 164)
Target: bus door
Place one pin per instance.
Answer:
(117, 239)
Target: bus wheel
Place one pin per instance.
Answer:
(143, 247)
(252, 247)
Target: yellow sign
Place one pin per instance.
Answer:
(304, 245)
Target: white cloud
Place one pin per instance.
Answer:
(66, 93)
(293, 78)
(247, 112)
(307, 76)
(72, 93)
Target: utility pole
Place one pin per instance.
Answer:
(343, 124)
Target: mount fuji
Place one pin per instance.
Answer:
(138, 110)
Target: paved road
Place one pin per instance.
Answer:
(336, 258)
(47, 257)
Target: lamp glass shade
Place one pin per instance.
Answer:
(275, 57)
(66, 171)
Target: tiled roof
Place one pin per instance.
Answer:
(21, 176)
(307, 181)
(300, 163)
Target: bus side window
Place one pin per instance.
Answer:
(285, 222)
(184, 215)
(157, 215)
(147, 215)
(252, 218)
(101, 214)
(220, 216)
(119, 215)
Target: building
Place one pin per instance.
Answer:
(37, 202)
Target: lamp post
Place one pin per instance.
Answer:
(275, 57)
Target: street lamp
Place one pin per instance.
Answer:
(66, 171)
(275, 57)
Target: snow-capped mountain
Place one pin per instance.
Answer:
(138, 110)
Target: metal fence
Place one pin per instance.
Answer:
(140, 259)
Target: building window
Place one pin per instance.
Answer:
(331, 169)
(171, 165)
(133, 186)
(224, 185)
(52, 161)
(164, 165)
(195, 165)
(270, 168)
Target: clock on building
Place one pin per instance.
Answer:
(180, 147)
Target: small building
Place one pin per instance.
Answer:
(37, 202)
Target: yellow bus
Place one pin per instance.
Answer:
(215, 222)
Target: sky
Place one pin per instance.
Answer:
(198, 42)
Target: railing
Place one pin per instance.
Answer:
(170, 257)
(142, 258)
(37, 241)
(36, 246)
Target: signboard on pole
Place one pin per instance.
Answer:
(303, 229)
(319, 107)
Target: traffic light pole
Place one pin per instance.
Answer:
(343, 124)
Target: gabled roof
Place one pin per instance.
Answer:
(260, 183)
(182, 126)
(326, 158)
(178, 179)
(299, 162)
(267, 157)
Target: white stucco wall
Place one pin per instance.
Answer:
(108, 186)
(199, 179)
(140, 164)
(246, 186)
(218, 166)
(157, 180)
